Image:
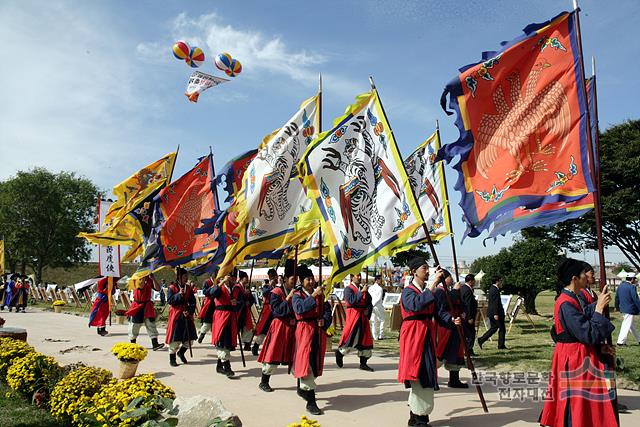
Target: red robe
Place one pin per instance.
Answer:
(583, 395)
(588, 298)
(449, 347)
(278, 344)
(224, 333)
(181, 328)
(100, 308)
(310, 338)
(206, 311)
(142, 306)
(245, 320)
(358, 311)
(266, 317)
(416, 329)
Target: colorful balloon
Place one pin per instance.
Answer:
(196, 57)
(223, 61)
(181, 50)
(234, 69)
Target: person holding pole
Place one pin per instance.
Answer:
(142, 312)
(245, 302)
(579, 392)
(495, 313)
(224, 335)
(278, 343)
(207, 309)
(417, 368)
(356, 333)
(313, 317)
(449, 348)
(265, 319)
(181, 329)
(100, 309)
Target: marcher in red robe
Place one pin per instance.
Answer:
(579, 392)
(356, 333)
(181, 329)
(265, 318)
(224, 334)
(314, 317)
(207, 309)
(100, 309)
(245, 302)
(21, 297)
(142, 311)
(417, 367)
(449, 348)
(279, 342)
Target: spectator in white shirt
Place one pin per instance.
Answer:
(377, 315)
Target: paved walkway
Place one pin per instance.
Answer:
(348, 396)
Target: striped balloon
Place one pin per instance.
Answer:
(223, 61)
(196, 57)
(234, 69)
(181, 50)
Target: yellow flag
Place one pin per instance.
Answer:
(122, 221)
(1, 257)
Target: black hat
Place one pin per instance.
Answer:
(304, 272)
(180, 271)
(469, 277)
(445, 273)
(417, 262)
(289, 268)
(568, 268)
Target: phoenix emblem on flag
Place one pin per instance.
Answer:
(508, 130)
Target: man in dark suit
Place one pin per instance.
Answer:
(495, 313)
(470, 309)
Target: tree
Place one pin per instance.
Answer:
(620, 196)
(526, 268)
(41, 214)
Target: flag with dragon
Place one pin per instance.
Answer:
(178, 216)
(521, 113)
(356, 177)
(129, 219)
(426, 179)
(272, 197)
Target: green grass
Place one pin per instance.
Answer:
(17, 411)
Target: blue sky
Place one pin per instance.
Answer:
(92, 86)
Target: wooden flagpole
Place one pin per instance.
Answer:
(448, 207)
(320, 226)
(596, 199)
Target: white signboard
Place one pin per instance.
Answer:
(108, 256)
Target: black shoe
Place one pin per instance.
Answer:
(480, 344)
(247, 346)
(412, 419)
(264, 383)
(302, 393)
(156, 345)
(227, 369)
(312, 407)
(472, 353)
(220, 367)
(504, 347)
(103, 332)
(181, 355)
(200, 338)
(172, 360)
(133, 341)
(422, 421)
(364, 366)
(454, 380)
(339, 359)
(254, 349)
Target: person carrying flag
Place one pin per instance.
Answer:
(181, 329)
(142, 311)
(356, 334)
(224, 334)
(206, 311)
(266, 317)
(100, 309)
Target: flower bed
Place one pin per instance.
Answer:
(33, 372)
(11, 350)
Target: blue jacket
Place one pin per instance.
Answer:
(627, 300)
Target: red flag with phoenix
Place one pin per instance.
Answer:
(523, 125)
(183, 205)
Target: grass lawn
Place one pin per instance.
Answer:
(16, 411)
